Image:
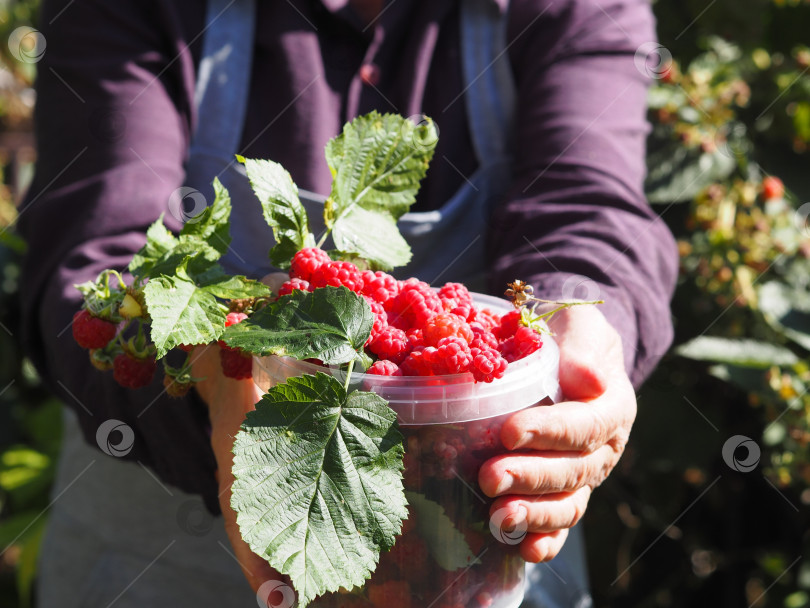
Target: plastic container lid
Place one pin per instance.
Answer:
(447, 399)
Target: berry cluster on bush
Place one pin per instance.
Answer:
(419, 331)
(101, 332)
(115, 330)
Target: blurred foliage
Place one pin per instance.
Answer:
(29, 417)
(16, 77)
(727, 162)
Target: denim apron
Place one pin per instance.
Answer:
(461, 222)
(119, 537)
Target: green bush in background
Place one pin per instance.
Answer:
(29, 417)
(679, 523)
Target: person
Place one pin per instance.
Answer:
(139, 98)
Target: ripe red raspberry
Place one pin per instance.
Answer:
(444, 325)
(455, 294)
(380, 319)
(383, 367)
(416, 340)
(375, 306)
(234, 317)
(295, 283)
(482, 337)
(452, 356)
(772, 187)
(92, 332)
(391, 343)
(337, 274)
(508, 325)
(132, 372)
(465, 311)
(380, 286)
(415, 304)
(527, 340)
(487, 364)
(485, 317)
(235, 364)
(389, 594)
(419, 362)
(307, 261)
(523, 343)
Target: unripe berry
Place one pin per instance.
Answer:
(130, 308)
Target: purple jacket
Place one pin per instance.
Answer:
(114, 118)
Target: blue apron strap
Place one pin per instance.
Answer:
(490, 85)
(223, 78)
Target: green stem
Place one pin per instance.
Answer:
(323, 238)
(120, 334)
(565, 304)
(561, 306)
(348, 375)
(121, 283)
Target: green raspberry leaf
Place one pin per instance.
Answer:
(733, 351)
(372, 236)
(377, 162)
(318, 483)
(446, 544)
(181, 312)
(159, 241)
(281, 207)
(204, 239)
(331, 324)
(196, 255)
(212, 226)
(217, 282)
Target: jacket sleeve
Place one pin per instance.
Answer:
(112, 122)
(575, 223)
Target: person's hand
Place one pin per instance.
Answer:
(569, 448)
(228, 402)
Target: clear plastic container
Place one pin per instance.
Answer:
(451, 554)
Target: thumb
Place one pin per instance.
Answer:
(588, 346)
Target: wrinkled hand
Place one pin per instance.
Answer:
(567, 449)
(228, 402)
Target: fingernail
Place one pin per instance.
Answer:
(506, 482)
(525, 438)
(516, 521)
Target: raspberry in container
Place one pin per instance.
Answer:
(452, 552)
